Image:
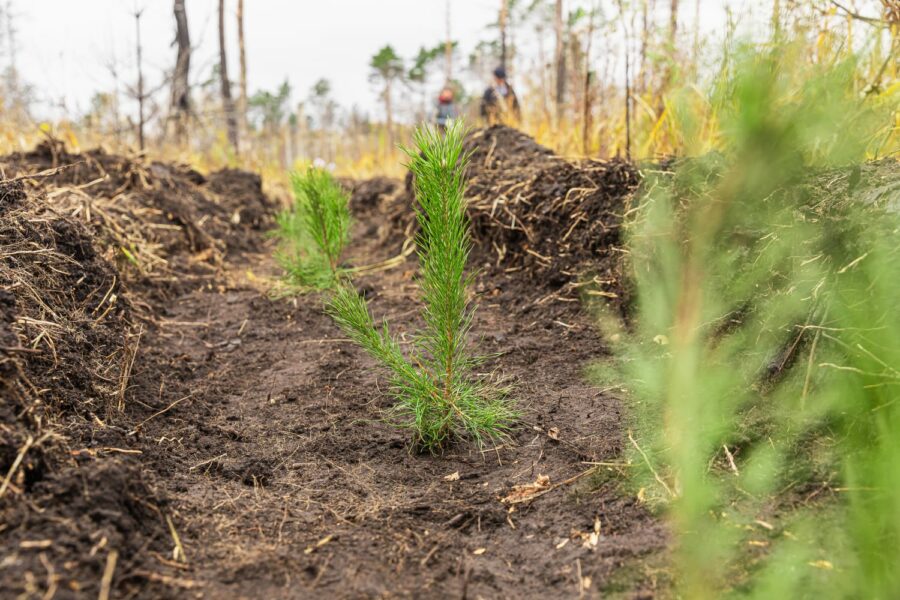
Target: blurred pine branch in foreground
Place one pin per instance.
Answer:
(763, 368)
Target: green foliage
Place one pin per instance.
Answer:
(313, 234)
(418, 72)
(764, 364)
(320, 89)
(386, 65)
(438, 395)
(269, 109)
(323, 105)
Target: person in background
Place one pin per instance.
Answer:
(446, 108)
(499, 104)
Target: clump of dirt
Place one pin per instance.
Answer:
(70, 314)
(555, 221)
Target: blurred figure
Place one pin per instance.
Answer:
(446, 108)
(499, 104)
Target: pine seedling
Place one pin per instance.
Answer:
(438, 394)
(314, 233)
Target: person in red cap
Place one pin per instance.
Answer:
(499, 104)
(446, 108)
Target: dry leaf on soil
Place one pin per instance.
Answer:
(524, 493)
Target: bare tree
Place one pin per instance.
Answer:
(776, 18)
(627, 32)
(542, 61)
(669, 80)
(503, 22)
(227, 100)
(673, 40)
(673, 23)
(181, 101)
(586, 98)
(141, 97)
(242, 49)
(648, 9)
(560, 59)
(16, 94)
(695, 59)
(448, 48)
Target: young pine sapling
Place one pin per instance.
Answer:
(314, 233)
(438, 394)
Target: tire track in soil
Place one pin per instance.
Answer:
(285, 482)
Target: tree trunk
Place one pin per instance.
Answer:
(628, 32)
(696, 53)
(776, 19)
(574, 73)
(227, 101)
(672, 51)
(627, 106)
(560, 59)
(243, 60)
(673, 24)
(292, 140)
(389, 114)
(545, 86)
(586, 124)
(504, 18)
(448, 48)
(140, 81)
(645, 40)
(181, 101)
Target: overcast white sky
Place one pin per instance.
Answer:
(64, 45)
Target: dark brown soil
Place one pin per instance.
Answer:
(254, 433)
(73, 490)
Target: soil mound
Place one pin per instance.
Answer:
(537, 217)
(158, 223)
(84, 240)
(240, 193)
(383, 208)
(369, 194)
(555, 221)
(66, 347)
(69, 312)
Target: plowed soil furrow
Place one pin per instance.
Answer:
(169, 430)
(286, 481)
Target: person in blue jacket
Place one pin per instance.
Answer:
(499, 104)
